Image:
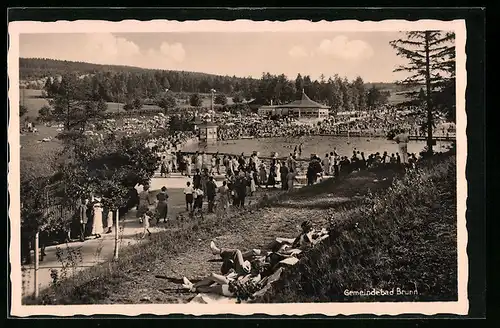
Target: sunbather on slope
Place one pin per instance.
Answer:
(221, 283)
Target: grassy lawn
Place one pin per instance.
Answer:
(33, 101)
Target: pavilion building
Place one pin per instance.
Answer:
(301, 108)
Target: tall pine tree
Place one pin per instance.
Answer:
(430, 54)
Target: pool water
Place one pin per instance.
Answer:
(319, 145)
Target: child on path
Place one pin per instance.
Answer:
(145, 223)
(188, 191)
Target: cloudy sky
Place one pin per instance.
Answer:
(350, 54)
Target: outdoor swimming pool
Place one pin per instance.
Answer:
(319, 145)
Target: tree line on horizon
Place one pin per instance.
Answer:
(133, 86)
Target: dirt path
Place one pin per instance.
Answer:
(243, 230)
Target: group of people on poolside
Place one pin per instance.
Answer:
(243, 175)
(265, 128)
(376, 122)
(255, 264)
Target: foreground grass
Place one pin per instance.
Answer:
(182, 250)
(402, 238)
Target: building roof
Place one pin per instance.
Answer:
(257, 102)
(303, 102)
(208, 125)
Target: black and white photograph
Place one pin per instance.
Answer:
(242, 167)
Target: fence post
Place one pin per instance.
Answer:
(37, 262)
(117, 227)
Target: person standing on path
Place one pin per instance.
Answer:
(162, 205)
(241, 184)
(198, 161)
(277, 169)
(262, 175)
(197, 179)
(145, 201)
(81, 208)
(291, 179)
(145, 223)
(217, 163)
(89, 213)
(211, 189)
(188, 191)
(198, 200)
(252, 179)
(187, 161)
(402, 140)
(326, 165)
(271, 180)
(97, 224)
(284, 176)
(224, 195)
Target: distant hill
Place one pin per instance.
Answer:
(118, 83)
(39, 68)
(392, 87)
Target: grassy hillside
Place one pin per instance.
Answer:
(413, 246)
(406, 238)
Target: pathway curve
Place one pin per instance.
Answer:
(95, 251)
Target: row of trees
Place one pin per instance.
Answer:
(108, 167)
(137, 89)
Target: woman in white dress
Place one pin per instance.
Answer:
(278, 172)
(252, 183)
(97, 224)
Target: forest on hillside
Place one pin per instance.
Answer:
(124, 84)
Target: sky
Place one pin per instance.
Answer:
(348, 54)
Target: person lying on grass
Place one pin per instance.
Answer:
(233, 283)
(280, 250)
(309, 237)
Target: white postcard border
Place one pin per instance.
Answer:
(329, 309)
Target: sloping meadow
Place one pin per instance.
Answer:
(400, 244)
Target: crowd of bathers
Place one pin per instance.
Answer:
(374, 124)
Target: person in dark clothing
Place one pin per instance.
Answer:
(284, 174)
(362, 162)
(81, 217)
(316, 169)
(241, 190)
(271, 180)
(211, 192)
(310, 174)
(241, 160)
(232, 191)
(89, 223)
(162, 205)
(197, 179)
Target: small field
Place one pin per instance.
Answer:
(36, 155)
(33, 100)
